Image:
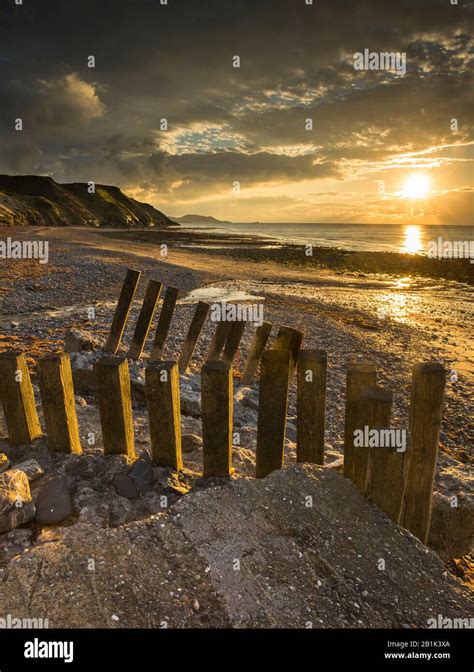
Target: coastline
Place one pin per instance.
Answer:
(260, 248)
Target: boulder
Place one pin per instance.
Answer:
(16, 504)
(54, 502)
(125, 486)
(77, 340)
(31, 468)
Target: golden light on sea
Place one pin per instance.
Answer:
(412, 242)
(416, 186)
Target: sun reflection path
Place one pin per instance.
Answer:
(412, 243)
(401, 307)
(398, 305)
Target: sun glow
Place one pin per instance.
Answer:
(416, 186)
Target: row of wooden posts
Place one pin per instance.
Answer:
(401, 484)
(224, 345)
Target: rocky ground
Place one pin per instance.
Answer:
(93, 498)
(300, 549)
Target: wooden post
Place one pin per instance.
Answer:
(162, 394)
(259, 342)
(164, 322)
(233, 341)
(311, 406)
(145, 319)
(219, 340)
(426, 407)
(289, 339)
(217, 413)
(57, 398)
(115, 405)
(273, 402)
(18, 399)
(359, 375)
(193, 335)
(122, 310)
(385, 472)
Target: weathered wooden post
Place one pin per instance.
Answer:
(192, 336)
(217, 414)
(145, 319)
(163, 400)
(115, 405)
(18, 399)
(311, 406)
(122, 310)
(426, 407)
(259, 342)
(272, 408)
(164, 322)
(57, 398)
(385, 481)
(218, 341)
(289, 339)
(359, 375)
(233, 341)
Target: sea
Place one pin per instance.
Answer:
(408, 238)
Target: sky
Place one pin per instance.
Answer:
(167, 116)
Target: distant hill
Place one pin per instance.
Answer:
(36, 200)
(200, 219)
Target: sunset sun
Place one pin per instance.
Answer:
(416, 186)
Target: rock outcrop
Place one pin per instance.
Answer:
(301, 548)
(38, 200)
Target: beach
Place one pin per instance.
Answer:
(392, 320)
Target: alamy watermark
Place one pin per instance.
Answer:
(10, 622)
(381, 438)
(450, 249)
(25, 249)
(237, 312)
(50, 650)
(447, 623)
(392, 61)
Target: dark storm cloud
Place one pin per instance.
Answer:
(174, 61)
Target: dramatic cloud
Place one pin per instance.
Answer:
(166, 116)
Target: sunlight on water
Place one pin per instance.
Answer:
(402, 283)
(399, 305)
(219, 295)
(412, 242)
